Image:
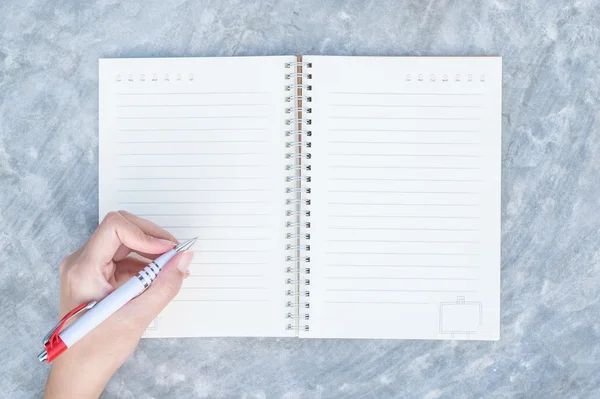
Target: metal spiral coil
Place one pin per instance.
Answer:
(298, 108)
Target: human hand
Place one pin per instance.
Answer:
(93, 272)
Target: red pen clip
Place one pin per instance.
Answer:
(52, 342)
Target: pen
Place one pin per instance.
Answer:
(57, 341)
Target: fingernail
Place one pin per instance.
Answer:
(167, 242)
(184, 260)
(187, 274)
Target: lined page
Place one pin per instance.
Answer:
(405, 210)
(196, 145)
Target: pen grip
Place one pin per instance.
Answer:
(96, 315)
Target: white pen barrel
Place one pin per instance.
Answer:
(101, 311)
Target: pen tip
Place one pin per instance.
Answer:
(185, 245)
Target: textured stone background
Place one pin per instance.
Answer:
(550, 345)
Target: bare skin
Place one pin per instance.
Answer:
(94, 271)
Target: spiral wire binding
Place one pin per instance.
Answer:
(298, 275)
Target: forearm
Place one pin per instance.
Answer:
(83, 370)
(66, 381)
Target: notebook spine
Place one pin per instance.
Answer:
(298, 144)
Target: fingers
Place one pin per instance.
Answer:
(168, 283)
(116, 230)
(127, 268)
(147, 227)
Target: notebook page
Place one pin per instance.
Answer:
(405, 201)
(196, 145)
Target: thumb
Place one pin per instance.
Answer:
(167, 284)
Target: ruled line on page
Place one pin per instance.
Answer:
(223, 288)
(404, 216)
(405, 94)
(218, 239)
(402, 106)
(200, 214)
(405, 130)
(219, 300)
(217, 227)
(409, 241)
(400, 142)
(229, 263)
(203, 190)
(404, 167)
(396, 229)
(232, 238)
(262, 129)
(400, 253)
(190, 93)
(194, 141)
(192, 202)
(393, 118)
(394, 290)
(398, 278)
(362, 154)
(398, 204)
(404, 192)
(154, 154)
(407, 266)
(227, 275)
(191, 166)
(181, 239)
(193, 178)
(398, 179)
(192, 117)
(187, 105)
(377, 303)
(232, 250)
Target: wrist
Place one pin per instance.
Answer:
(84, 369)
(68, 386)
(70, 377)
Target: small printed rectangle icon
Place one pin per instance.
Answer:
(153, 325)
(460, 317)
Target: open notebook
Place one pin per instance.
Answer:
(333, 197)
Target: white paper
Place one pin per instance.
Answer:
(405, 197)
(196, 145)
